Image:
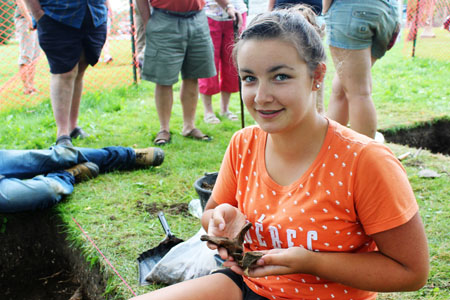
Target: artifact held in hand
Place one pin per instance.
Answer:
(235, 248)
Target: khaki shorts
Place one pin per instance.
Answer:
(175, 44)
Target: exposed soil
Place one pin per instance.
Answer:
(434, 136)
(207, 186)
(171, 209)
(38, 263)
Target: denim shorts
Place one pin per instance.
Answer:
(359, 24)
(175, 43)
(63, 44)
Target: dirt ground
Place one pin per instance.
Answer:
(432, 136)
(37, 262)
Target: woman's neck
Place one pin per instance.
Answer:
(288, 155)
(301, 140)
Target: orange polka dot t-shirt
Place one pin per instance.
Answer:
(354, 188)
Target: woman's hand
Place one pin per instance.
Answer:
(277, 262)
(225, 221)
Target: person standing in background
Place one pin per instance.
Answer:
(29, 49)
(178, 39)
(222, 30)
(359, 33)
(72, 34)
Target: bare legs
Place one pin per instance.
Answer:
(164, 103)
(224, 106)
(189, 99)
(65, 94)
(27, 72)
(351, 97)
(216, 286)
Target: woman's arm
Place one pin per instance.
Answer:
(400, 264)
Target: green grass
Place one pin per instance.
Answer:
(111, 208)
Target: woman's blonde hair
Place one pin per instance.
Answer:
(296, 25)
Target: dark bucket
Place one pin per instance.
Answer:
(201, 187)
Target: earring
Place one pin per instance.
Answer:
(317, 86)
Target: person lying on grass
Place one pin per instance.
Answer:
(332, 210)
(38, 179)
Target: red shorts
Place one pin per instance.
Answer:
(226, 80)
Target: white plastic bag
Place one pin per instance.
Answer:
(187, 260)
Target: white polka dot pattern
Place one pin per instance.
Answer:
(316, 212)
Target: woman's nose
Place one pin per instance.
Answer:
(263, 94)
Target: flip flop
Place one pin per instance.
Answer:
(162, 138)
(211, 119)
(230, 116)
(196, 134)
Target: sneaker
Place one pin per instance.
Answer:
(147, 157)
(64, 140)
(78, 132)
(84, 171)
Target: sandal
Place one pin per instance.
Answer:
(230, 116)
(196, 134)
(211, 119)
(162, 138)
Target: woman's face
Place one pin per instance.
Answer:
(276, 85)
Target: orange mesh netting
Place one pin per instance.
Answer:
(118, 64)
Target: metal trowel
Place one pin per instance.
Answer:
(148, 259)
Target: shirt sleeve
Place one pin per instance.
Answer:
(225, 188)
(384, 198)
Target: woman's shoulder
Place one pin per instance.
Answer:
(247, 137)
(345, 139)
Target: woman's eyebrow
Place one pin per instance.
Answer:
(278, 67)
(270, 70)
(246, 71)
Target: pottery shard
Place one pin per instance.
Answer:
(250, 258)
(235, 248)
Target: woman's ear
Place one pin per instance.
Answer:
(319, 75)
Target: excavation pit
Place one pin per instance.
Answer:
(38, 263)
(433, 136)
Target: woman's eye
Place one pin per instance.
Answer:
(281, 77)
(248, 78)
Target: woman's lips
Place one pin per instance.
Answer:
(268, 114)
